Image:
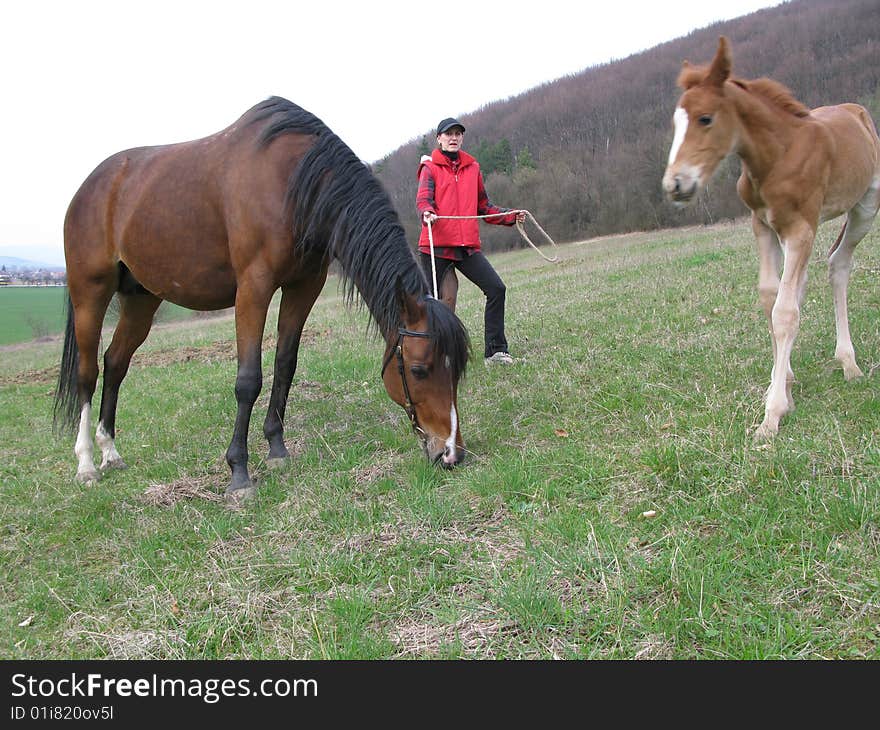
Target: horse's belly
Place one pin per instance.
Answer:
(194, 284)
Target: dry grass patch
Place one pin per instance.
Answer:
(473, 634)
(185, 488)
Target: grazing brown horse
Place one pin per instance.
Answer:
(227, 220)
(800, 167)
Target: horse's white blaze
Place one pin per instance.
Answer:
(453, 432)
(109, 454)
(680, 120)
(83, 447)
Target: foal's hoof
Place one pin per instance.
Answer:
(89, 478)
(116, 463)
(852, 372)
(766, 432)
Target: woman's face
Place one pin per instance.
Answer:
(451, 139)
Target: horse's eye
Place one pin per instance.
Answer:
(420, 372)
(705, 120)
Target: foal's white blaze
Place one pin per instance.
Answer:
(83, 447)
(109, 454)
(680, 120)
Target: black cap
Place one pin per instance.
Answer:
(448, 124)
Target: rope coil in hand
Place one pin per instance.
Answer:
(519, 227)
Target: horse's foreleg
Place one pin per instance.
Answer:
(295, 307)
(858, 222)
(785, 321)
(251, 303)
(449, 288)
(135, 319)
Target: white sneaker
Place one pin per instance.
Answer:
(500, 358)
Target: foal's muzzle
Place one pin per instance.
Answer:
(680, 188)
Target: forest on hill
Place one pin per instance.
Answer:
(585, 153)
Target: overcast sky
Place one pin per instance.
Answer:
(82, 79)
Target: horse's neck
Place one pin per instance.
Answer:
(764, 133)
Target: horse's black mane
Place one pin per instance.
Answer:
(338, 208)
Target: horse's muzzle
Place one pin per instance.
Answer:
(447, 458)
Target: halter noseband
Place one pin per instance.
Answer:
(397, 350)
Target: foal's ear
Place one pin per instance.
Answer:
(719, 71)
(690, 75)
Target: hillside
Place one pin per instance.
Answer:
(585, 153)
(14, 263)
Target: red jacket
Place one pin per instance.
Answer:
(447, 188)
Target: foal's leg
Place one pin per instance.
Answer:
(296, 303)
(89, 308)
(770, 265)
(858, 222)
(135, 319)
(251, 302)
(785, 320)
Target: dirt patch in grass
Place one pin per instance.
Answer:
(30, 377)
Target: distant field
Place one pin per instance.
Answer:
(27, 313)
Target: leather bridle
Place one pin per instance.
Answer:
(397, 350)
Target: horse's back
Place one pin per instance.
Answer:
(854, 156)
(855, 135)
(173, 214)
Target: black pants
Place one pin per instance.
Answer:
(477, 268)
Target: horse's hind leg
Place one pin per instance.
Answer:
(858, 222)
(88, 314)
(135, 319)
(296, 303)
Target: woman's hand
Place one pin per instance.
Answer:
(429, 217)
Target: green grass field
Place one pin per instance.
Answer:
(27, 313)
(33, 312)
(613, 505)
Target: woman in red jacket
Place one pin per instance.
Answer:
(450, 184)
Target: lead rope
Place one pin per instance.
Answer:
(519, 227)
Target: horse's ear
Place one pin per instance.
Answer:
(719, 71)
(409, 307)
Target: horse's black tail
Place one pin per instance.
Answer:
(66, 410)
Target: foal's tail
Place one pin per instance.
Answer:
(66, 409)
(839, 239)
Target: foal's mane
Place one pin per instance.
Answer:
(338, 209)
(773, 92)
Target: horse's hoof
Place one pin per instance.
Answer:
(237, 496)
(88, 478)
(278, 462)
